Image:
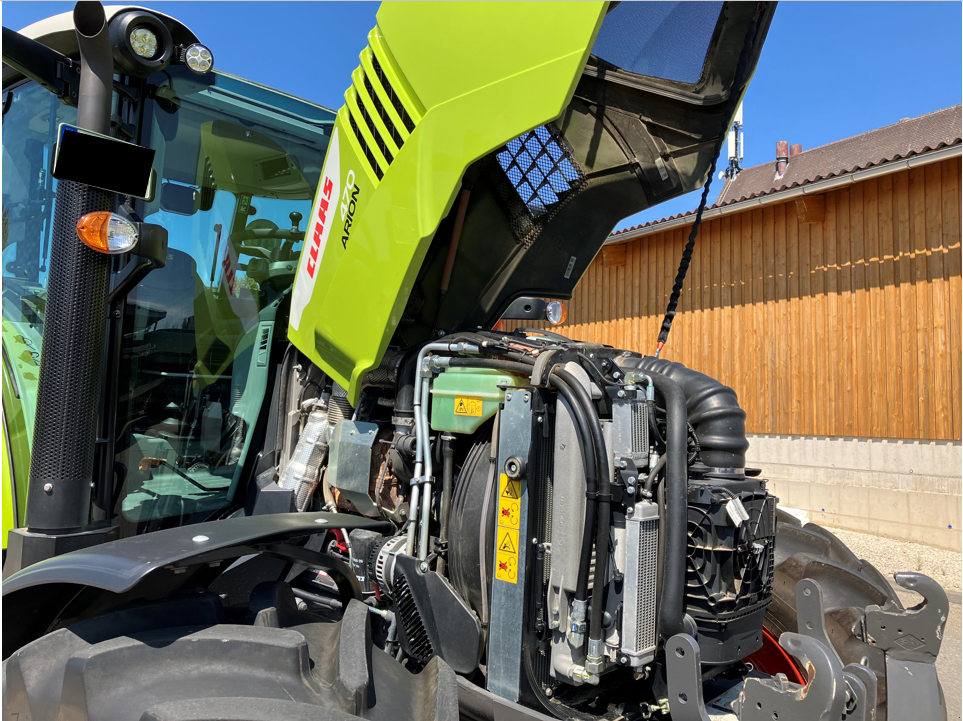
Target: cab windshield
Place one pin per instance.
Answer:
(237, 165)
(237, 168)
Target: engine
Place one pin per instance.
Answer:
(560, 510)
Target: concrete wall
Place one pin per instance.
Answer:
(905, 489)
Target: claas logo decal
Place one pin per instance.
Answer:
(321, 221)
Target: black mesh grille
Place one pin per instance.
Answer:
(382, 145)
(390, 92)
(539, 169)
(414, 637)
(535, 175)
(372, 161)
(383, 112)
(71, 359)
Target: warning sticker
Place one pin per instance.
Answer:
(506, 555)
(510, 488)
(468, 406)
(508, 513)
(507, 526)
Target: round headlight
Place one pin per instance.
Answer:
(199, 59)
(556, 313)
(143, 42)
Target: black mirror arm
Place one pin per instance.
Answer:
(45, 66)
(149, 253)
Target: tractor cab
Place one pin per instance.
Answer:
(236, 168)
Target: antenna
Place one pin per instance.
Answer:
(736, 145)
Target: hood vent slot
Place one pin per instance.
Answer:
(381, 117)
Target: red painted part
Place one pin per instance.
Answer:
(772, 659)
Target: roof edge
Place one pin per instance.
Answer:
(780, 196)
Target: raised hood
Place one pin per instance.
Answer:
(557, 119)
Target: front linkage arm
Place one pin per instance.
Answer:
(910, 638)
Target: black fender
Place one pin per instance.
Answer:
(68, 588)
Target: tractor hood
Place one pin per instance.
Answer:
(547, 122)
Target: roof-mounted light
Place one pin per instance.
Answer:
(143, 42)
(199, 58)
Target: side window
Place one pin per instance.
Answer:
(30, 119)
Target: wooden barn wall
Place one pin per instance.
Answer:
(845, 327)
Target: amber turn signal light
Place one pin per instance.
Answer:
(107, 233)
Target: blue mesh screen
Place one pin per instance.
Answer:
(667, 40)
(538, 169)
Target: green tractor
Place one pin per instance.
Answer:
(266, 454)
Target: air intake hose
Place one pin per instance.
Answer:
(713, 410)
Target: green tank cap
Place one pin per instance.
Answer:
(464, 398)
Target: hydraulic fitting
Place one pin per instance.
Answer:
(577, 625)
(593, 661)
(580, 675)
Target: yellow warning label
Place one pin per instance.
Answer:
(510, 488)
(506, 555)
(468, 406)
(508, 513)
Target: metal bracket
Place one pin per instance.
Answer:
(914, 634)
(860, 681)
(822, 699)
(684, 679)
(810, 617)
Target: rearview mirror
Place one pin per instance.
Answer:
(179, 199)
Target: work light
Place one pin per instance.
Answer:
(143, 42)
(199, 58)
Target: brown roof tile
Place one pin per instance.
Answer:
(912, 136)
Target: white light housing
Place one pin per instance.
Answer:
(143, 41)
(555, 312)
(199, 59)
(107, 233)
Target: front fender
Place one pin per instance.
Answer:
(68, 588)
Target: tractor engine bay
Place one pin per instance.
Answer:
(561, 509)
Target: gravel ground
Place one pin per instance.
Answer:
(890, 556)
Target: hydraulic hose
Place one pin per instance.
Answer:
(675, 491)
(591, 483)
(447, 474)
(493, 363)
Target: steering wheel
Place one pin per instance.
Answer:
(264, 229)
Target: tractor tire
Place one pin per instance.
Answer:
(848, 586)
(179, 659)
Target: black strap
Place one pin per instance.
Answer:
(734, 98)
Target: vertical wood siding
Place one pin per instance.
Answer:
(849, 326)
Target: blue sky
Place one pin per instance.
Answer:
(828, 70)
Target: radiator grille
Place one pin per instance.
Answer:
(648, 561)
(640, 436)
(641, 596)
(631, 430)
